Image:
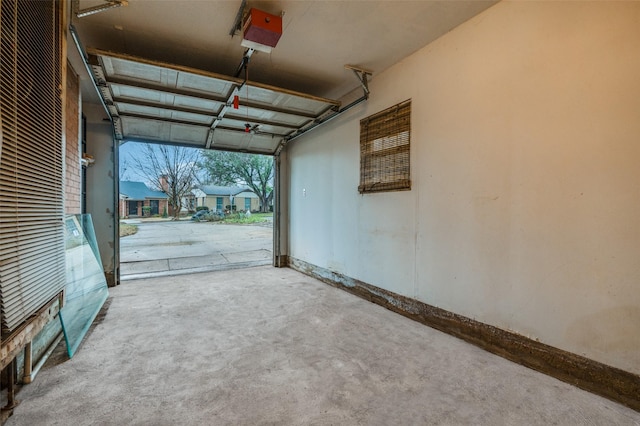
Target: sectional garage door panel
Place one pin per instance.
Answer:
(227, 140)
(157, 130)
(164, 103)
(132, 110)
(272, 129)
(155, 97)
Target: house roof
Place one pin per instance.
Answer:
(223, 190)
(139, 191)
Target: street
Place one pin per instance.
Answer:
(170, 247)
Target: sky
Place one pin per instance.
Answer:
(128, 151)
(128, 171)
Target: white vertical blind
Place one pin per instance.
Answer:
(32, 263)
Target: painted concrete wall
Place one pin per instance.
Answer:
(525, 206)
(102, 188)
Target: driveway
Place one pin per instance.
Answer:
(170, 248)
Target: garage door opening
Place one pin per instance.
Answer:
(155, 102)
(186, 210)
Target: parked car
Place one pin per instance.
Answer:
(199, 214)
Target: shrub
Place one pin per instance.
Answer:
(201, 208)
(127, 229)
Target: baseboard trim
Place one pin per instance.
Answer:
(281, 261)
(601, 379)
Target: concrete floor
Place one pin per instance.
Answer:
(274, 347)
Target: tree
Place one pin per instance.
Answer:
(170, 169)
(124, 170)
(234, 168)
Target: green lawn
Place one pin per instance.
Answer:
(127, 229)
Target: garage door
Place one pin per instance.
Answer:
(163, 103)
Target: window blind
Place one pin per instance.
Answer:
(32, 263)
(384, 150)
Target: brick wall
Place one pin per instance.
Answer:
(124, 207)
(73, 178)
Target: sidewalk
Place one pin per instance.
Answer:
(137, 220)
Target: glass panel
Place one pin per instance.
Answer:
(86, 289)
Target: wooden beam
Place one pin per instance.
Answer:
(11, 346)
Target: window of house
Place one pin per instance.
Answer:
(384, 150)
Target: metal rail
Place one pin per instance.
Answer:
(362, 76)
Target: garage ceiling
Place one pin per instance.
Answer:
(319, 38)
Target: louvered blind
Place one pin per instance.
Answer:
(32, 262)
(384, 150)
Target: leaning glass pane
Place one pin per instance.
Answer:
(86, 289)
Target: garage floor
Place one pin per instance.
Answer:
(272, 346)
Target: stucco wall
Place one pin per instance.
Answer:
(211, 202)
(525, 206)
(238, 202)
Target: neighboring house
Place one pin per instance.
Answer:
(221, 198)
(136, 195)
(189, 202)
